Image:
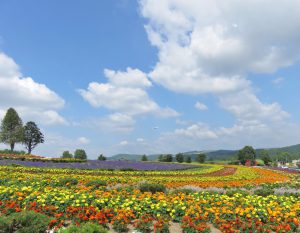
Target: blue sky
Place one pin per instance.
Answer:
(146, 76)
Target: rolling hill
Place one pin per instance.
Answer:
(293, 150)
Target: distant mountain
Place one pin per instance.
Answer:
(293, 150)
(131, 157)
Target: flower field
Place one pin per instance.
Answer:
(232, 198)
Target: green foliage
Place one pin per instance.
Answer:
(188, 159)
(179, 158)
(165, 158)
(5, 224)
(80, 154)
(84, 228)
(265, 157)
(247, 153)
(152, 187)
(24, 222)
(201, 158)
(16, 152)
(144, 158)
(284, 157)
(32, 136)
(11, 128)
(264, 192)
(66, 155)
(101, 157)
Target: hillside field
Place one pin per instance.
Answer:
(204, 198)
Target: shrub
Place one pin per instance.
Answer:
(84, 228)
(5, 224)
(264, 192)
(28, 222)
(152, 187)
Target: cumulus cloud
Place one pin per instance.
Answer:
(200, 106)
(83, 140)
(32, 100)
(124, 143)
(212, 47)
(124, 93)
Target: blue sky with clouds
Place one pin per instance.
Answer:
(146, 76)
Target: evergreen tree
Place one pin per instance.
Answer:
(11, 129)
(101, 157)
(144, 158)
(32, 136)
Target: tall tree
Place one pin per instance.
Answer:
(32, 136)
(144, 158)
(247, 153)
(188, 159)
(179, 158)
(101, 157)
(265, 157)
(201, 158)
(80, 154)
(11, 129)
(66, 155)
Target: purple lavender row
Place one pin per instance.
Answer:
(95, 164)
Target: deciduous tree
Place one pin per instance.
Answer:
(32, 136)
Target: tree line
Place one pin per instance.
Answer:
(180, 158)
(12, 132)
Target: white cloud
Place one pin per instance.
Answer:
(245, 106)
(140, 139)
(278, 81)
(200, 106)
(33, 101)
(209, 40)
(129, 78)
(124, 94)
(83, 140)
(200, 131)
(211, 47)
(124, 143)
